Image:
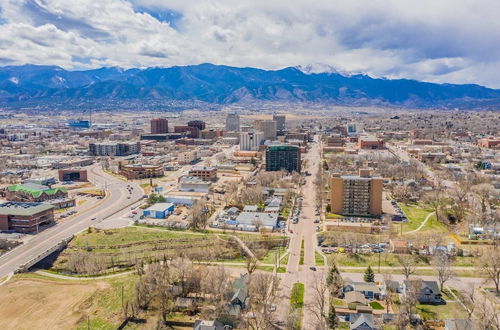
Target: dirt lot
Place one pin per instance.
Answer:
(44, 304)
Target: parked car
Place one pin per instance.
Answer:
(312, 268)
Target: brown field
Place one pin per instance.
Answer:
(44, 304)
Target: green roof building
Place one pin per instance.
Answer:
(30, 192)
(283, 157)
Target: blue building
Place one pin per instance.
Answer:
(159, 210)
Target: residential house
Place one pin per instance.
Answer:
(429, 293)
(354, 299)
(460, 324)
(390, 286)
(209, 325)
(361, 321)
(369, 290)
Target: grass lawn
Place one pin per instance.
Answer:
(388, 259)
(270, 256)
(441, 312)
(95, 192)
(297, 295)
(318, 259)
(126, 235)
(106, 306)
(301, 260)
(338, 302)
(343, 326)
(284, 260)
(376, 305)
(365, 260)
(424, 272)
(416, 215)
(281, 269)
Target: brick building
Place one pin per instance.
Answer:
(72, 175)
(138, 171)
(159, 126)
(489, 142)
(207, 173)
(371, 143)
(25, 217)
(357, 195)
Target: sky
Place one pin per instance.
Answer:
(454, 41)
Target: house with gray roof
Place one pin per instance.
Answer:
(429, 293)
(361, 321)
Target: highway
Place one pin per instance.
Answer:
(115, 201)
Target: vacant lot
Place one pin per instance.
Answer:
(97, 252)
(31, 303)
(110, 250)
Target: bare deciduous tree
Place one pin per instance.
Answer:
(262, 289)
(490, 265)
(319, 306)
(442, 265)
(217, 288)
(251, 264)
(487, 316)
(469, 299)
(409, 264)
(436, 200)
(409, 301)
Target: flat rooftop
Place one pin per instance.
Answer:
(23, 208)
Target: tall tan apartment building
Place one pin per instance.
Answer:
(358, 195)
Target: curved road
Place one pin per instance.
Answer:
(115, 201)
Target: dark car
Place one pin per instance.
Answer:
(312, 268)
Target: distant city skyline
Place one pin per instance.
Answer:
(437, 41)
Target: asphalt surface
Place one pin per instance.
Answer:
(115, 201)
(304, 230)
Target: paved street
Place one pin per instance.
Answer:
(304, 230)
(115, 201)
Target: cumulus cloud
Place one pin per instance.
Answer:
(435, 40)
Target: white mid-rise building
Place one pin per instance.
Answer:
(251, 140)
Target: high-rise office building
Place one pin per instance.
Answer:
(357, 195)
(233, 122)
(283, 157)
(280, 122)
(251, 140)
(199, 124)
(159, 126)
(269, 129)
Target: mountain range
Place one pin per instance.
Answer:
(52, 87)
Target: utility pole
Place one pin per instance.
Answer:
(379, 262)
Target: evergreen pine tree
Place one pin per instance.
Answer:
(332, 319)
(369, 275)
